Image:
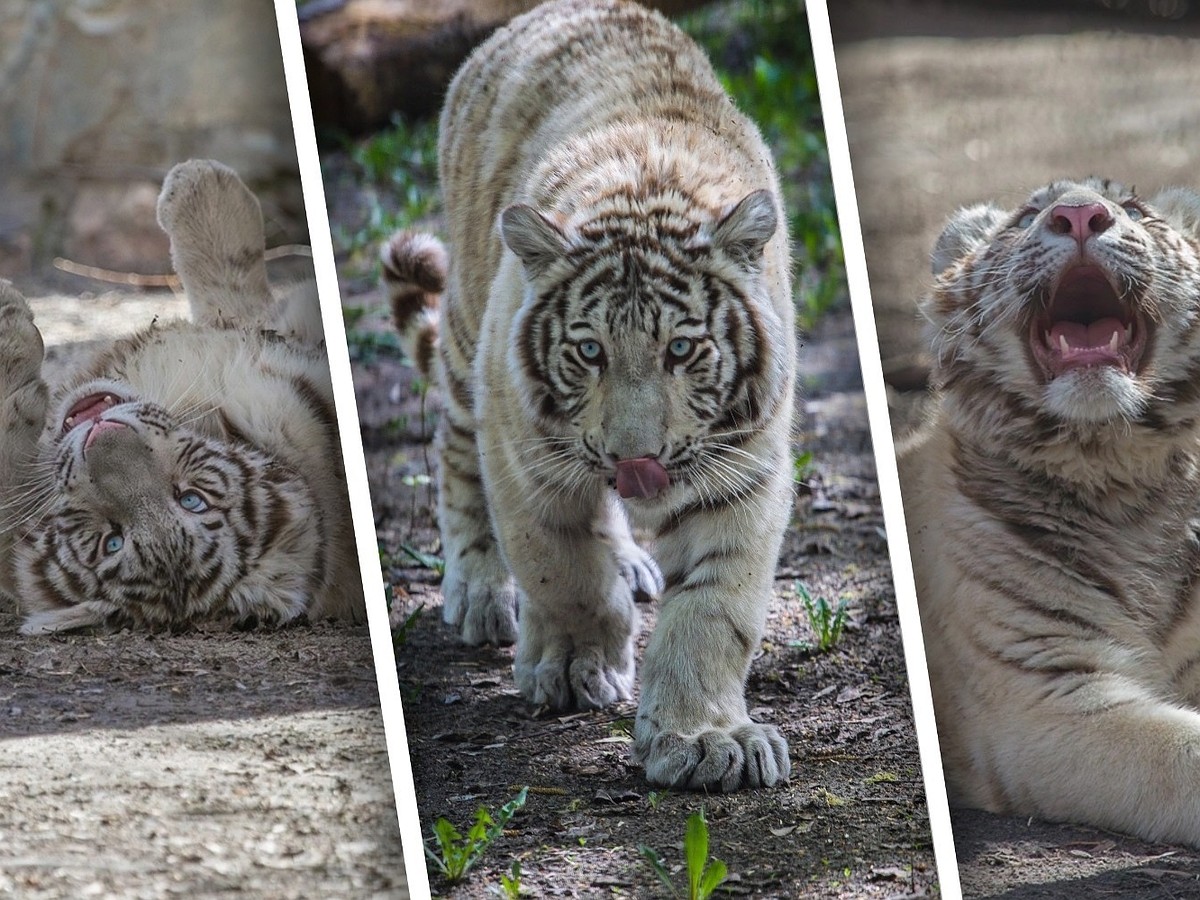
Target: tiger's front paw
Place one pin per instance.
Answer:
(23, 394)
(749, 755)
(21, 349)
(483, 609)
(557, 676)
(640, 572)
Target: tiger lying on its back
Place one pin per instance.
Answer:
(1054, 508)
(616, 345)
(192, 470)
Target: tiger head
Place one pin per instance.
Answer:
(153, 521)
(647, 348)
(1076, 308)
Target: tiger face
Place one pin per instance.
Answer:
(644, 342)
(155, 522)
(1078, 306)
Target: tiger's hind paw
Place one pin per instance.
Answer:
(217, 245)
(484, 610)
(204, 205)
(587, 678)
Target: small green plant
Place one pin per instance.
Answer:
(621, 728)
(803, 467)
(776, 85)
(826, 622)
(654, 798)
(395, 176)
(425, 560)
(704, 875)
(364, 343)
(457, 853)
(400, 635)
(883, 778)
(510, 885)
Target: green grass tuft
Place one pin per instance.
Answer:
(457, 853)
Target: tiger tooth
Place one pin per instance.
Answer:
(1112, 343)
(1063, 345)
(70, 420)
(108, 399)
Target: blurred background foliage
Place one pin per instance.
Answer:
(762, 54)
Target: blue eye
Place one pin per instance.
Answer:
(1133, 211)
(680, 348)
(192, 502)
(113, 543)
(590, 350)
(1027, 219)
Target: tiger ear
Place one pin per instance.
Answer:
(1180, 206)
(745, 229)
(531, 235)
(964, 232)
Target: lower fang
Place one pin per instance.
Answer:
(1112, 343)
(1062, 343)
(108, 399)
(70, 420)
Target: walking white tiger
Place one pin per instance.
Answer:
(1053, 508)
(617, 316)
(192, 470)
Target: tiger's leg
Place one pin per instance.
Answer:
(1103, 751)
(23, 399)
(636, 566)
(578, 619)
(692, 729)
(577, 622)
(480, 597)
(217, 245)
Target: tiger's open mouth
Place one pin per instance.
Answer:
(89, 409)
(1087, 324)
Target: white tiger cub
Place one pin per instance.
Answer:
(1053, 508)
(192, 470)
(617, 315)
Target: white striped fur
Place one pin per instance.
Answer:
(618, 289)
(191, 471)
(1053, 512)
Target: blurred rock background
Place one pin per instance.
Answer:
(952, 102)
(99, 98)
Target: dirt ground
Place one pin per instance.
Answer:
(949, 104)
(852, 822)
(196, 765)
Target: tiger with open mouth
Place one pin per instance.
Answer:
(191, 471)
(1053, 507)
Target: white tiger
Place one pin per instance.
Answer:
(617, 346)
(192, 470)
(1053, 508)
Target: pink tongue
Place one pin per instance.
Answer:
(1097, 334)
(642, 477)
(98, 429)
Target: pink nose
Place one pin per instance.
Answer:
(1080, 221)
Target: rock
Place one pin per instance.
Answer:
(112, 225)
(368, 59)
